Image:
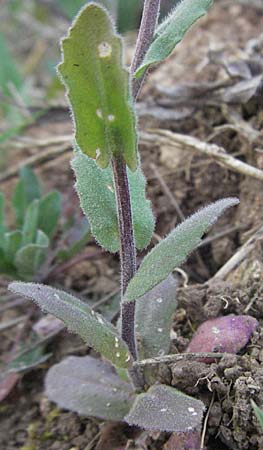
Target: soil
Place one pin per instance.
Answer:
(28, 421)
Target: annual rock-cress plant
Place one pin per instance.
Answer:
(111, 186)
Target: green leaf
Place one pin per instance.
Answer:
(95, 188)
(30, 258)
(80, 319)
(30, 223)
(49, 212)
(172, 30)
(79, 235)
(98, 88)
(89, 387)
(2, 215)
(12, 243)
(26, 190)
(9, 72)
(258, 412)
(28, 360)
(154, 316)
(164, 408)
(174, 249)
(5, 266)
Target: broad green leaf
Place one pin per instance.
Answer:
(80, 319)
(30, 224)
(77, 238)
(42, 238)
(49, 212)
(97, 198)
(5, 266)
(258, 412)
(29, 259)
(12, 243)
(89, 387)
(98, 88)
(174, 249)
(164, 408)
(26, 190)
(172, 30)
(154, 317)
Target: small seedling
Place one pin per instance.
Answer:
(111, 188)
(24, 250)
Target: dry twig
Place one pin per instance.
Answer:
(184, 142)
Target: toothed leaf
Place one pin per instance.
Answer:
(97, 198)
(89, 387)
(174, 249)
(98, 88)
(79, 318)
(164, 408)
(154, 316)
(172, 30)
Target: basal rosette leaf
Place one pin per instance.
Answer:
(164, 408)
(89, 387)
(154, 316)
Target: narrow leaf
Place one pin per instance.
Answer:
(2, 214)
(49, 212)
(12, 243)
(89, 387)
(30, 224)
(164, 408)
(172, 30)
(174, 249)
(26, 190)
(79, 318)
(98, 88)
(154, 316)
(258, 412)
(97, 198)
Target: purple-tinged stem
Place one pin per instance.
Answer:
(127, 249)
(146, 33)
(122, 192)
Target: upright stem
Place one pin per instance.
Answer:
(126, 234)
(148, 24)
(127, 249)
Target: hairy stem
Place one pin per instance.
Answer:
(122, 192)
(127, 249)
(148, 24)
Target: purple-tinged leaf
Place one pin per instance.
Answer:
(164, 408)
(154, 315)
(89, 387)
